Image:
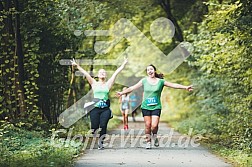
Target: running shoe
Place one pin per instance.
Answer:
(156, 142)
(148, 145)
(100, 145)
(126, 127)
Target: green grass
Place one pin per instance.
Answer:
(30, 148)
(238, 157)
(23, 148)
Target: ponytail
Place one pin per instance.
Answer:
(160, 75)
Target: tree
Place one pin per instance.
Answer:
(166, 5)
(12, 82)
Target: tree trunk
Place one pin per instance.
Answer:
(8, 51)
(166, 5)
(20, 61)
(70, 90)
(92, 65)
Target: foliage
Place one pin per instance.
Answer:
(32, 148)
(42, 45)
(237, 157)
(221, 73)
(223, 53)
(36, 35)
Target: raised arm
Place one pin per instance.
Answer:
(130, 89)
(112, 79)
(89, 78)
(178, 86)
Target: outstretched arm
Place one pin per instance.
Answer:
(89, 78)
(178, 86)
(112, 79)
(130, 89)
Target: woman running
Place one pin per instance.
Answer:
(125, 106)
(151, 105)
(101, 112)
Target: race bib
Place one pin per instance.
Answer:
(151, 101)
(101, 104)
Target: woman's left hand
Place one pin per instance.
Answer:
(118, 94)
(189, 88)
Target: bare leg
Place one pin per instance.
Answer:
(147, 120)
(133, 116)
(123, 115)
(154, 129)
(154, 124)
(126, 117)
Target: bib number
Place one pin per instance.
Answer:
(101, 104)
(151, 101)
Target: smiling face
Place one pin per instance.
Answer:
(150, 71)
(102, 74)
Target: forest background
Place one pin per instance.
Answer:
(36, 88)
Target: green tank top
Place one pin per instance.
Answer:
(152, 94)
(102, 93)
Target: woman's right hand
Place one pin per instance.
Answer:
(73, 62)
(189, 88)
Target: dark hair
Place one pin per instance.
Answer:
(160, 75)
(126, 94)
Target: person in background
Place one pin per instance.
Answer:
(134, 99)
(125, 107)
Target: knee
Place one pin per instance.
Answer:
(154, 127)
(148, 125)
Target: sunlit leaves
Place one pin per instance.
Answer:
(223, 55)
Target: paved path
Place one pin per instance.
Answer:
(127, 149)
